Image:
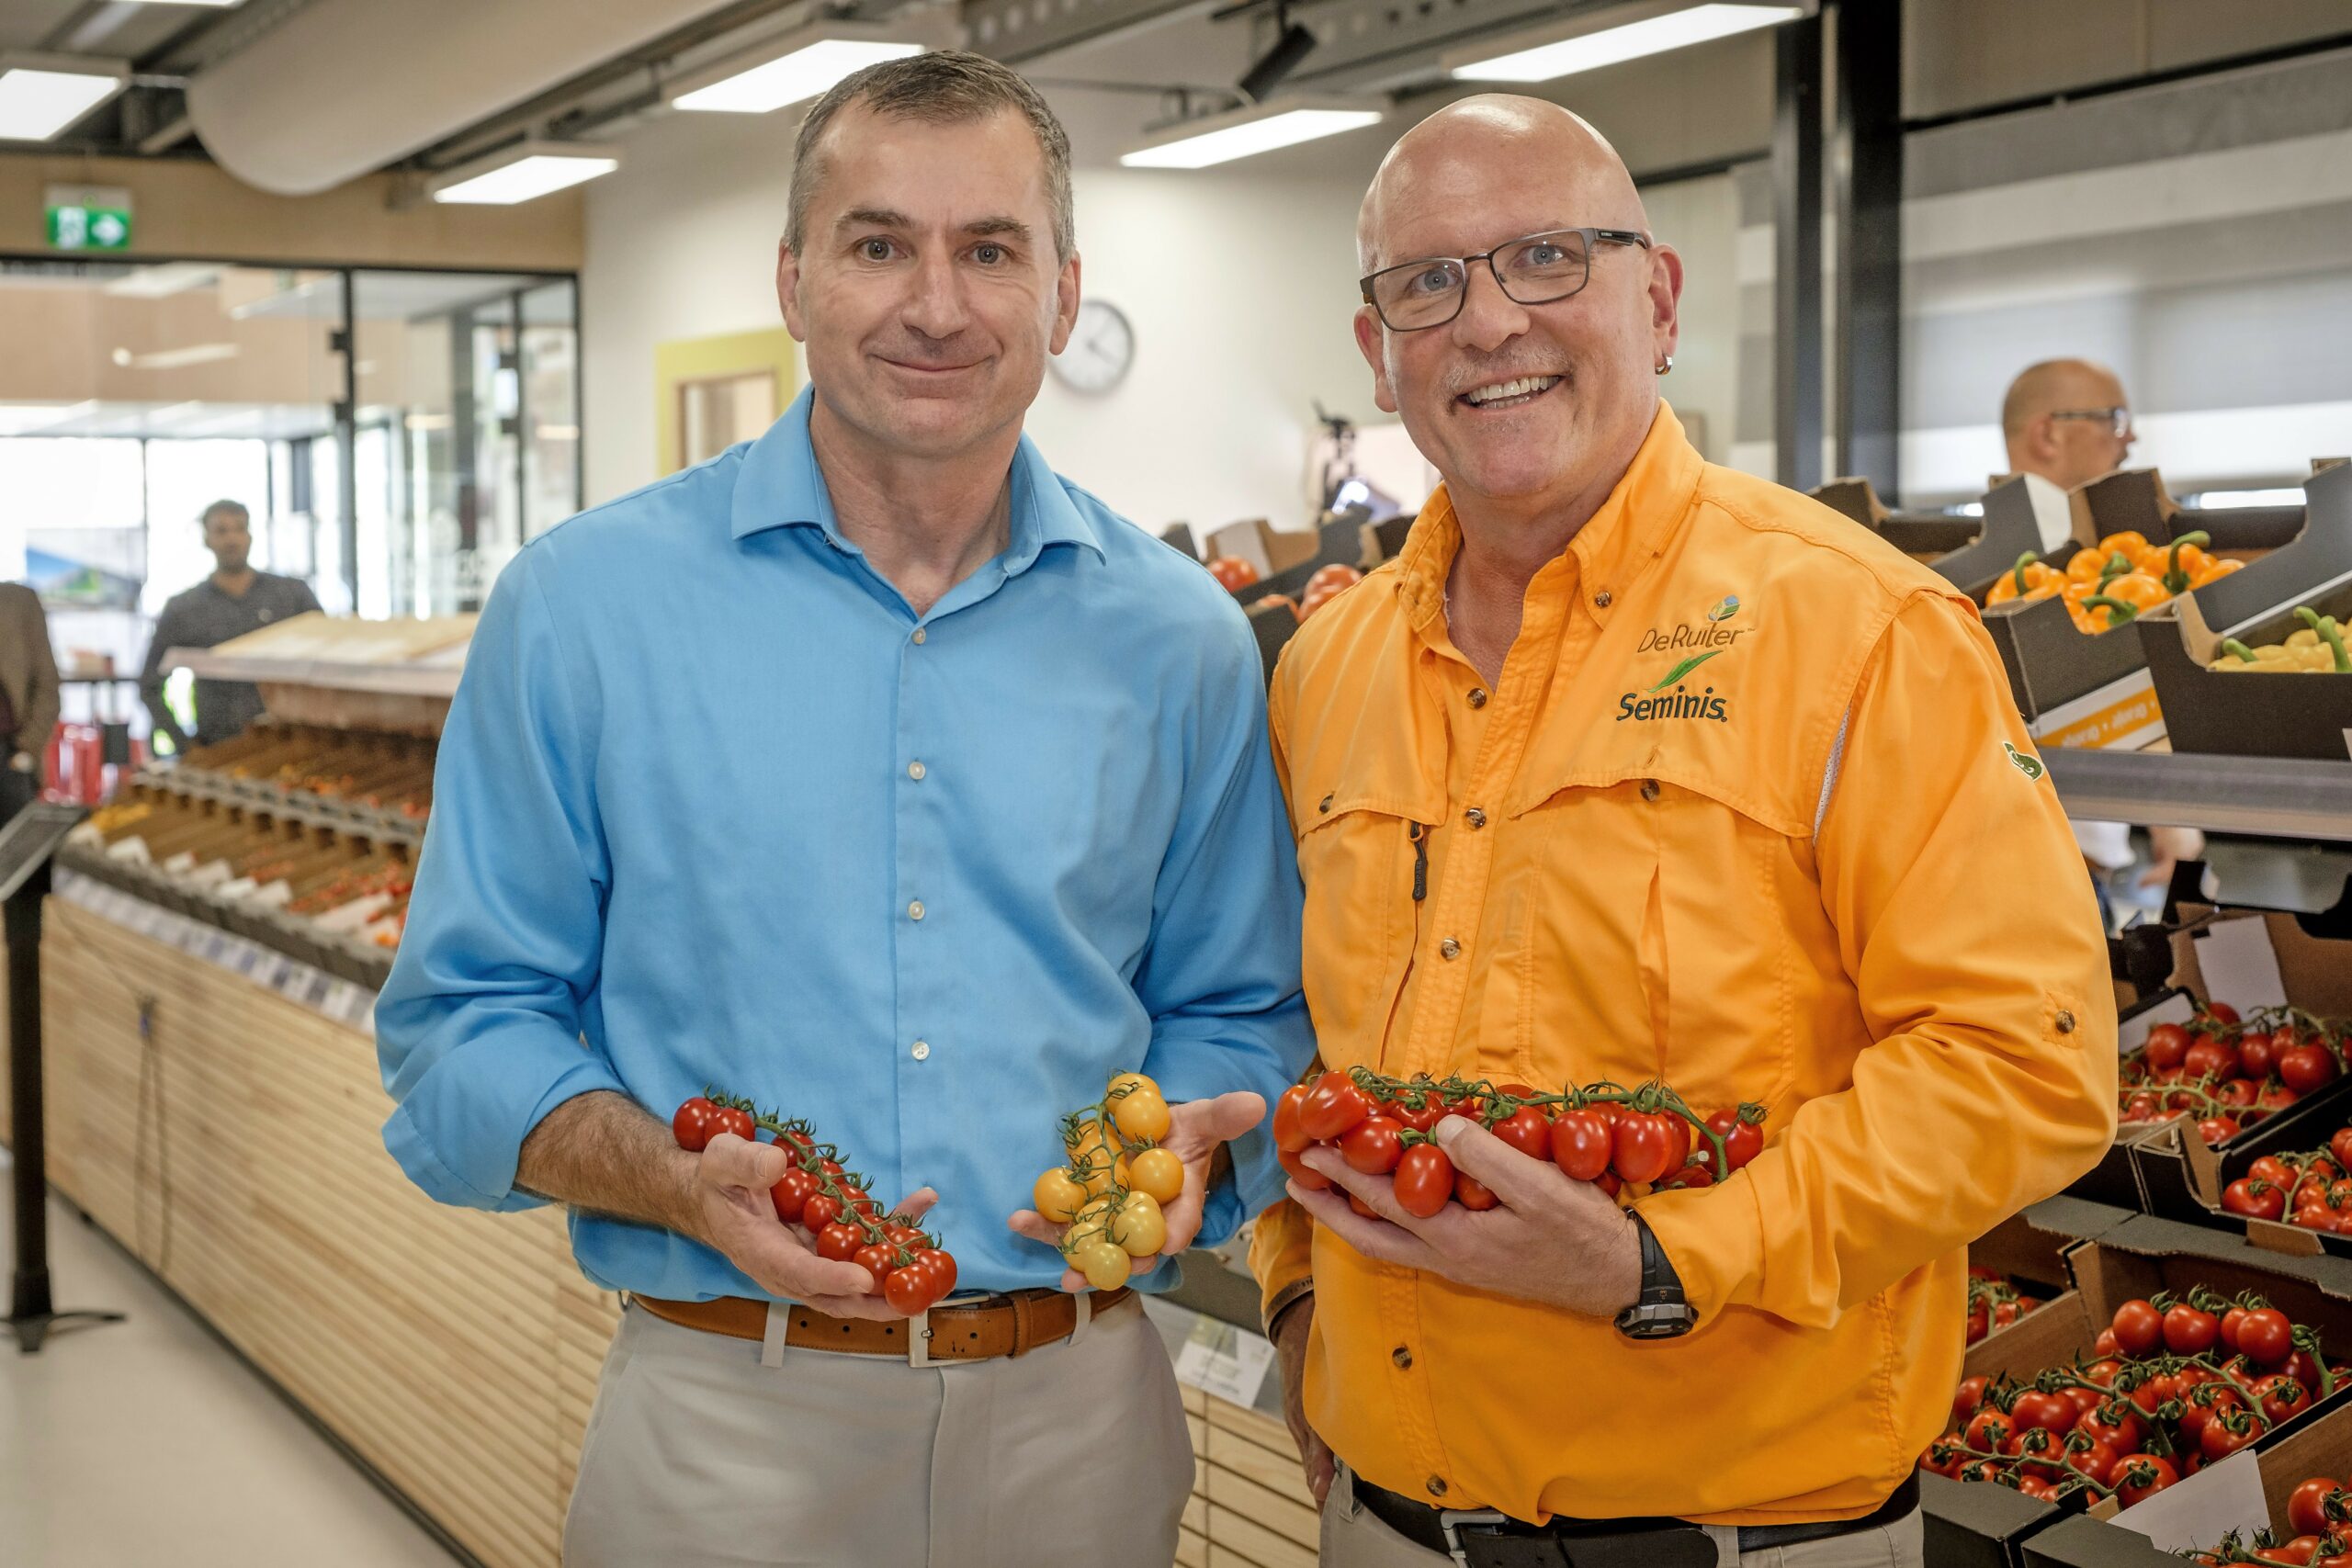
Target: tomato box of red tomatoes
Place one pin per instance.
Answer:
(2171, 1288)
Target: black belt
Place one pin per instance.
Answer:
(1487, 1539)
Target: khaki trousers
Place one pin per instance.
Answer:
(1352, 1538)
(696, 1455)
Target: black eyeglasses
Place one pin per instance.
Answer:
(2117, 420)
(1537, 270)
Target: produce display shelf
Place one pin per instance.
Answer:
(434, 677)
(2275, 798)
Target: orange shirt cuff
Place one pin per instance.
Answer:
(1282, 1254)
(1714, 1238)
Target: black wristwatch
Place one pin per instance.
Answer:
(1661, 1310)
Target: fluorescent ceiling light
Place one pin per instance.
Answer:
(215, 4)
(23, 419)
(1246, 133)
(803, 72)
(1542, 57)
(165, 278)
(42, 94)
(523, 172)
(175, 358)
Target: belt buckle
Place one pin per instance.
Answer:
(918, 1340)
(1449, 1521)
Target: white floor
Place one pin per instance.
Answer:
(144, 1442)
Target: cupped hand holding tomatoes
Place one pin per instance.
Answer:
(730, 1206)
(1549, 1237)
(1197, 1131)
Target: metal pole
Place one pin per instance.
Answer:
(1796, 277)
(346, 437)
(1869, 170)
(29, 1303)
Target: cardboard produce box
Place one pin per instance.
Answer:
(2115, 1180)
(2251, 712)
(2100, 691)
(2136, 1259)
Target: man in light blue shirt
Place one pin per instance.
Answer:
(871, 771)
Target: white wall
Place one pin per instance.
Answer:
(1239, 291)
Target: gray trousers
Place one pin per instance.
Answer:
(1352, 1538)
(696, 1455)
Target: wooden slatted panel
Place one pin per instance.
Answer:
(1191, 1550)
(457, 1351)
(1254, 1541)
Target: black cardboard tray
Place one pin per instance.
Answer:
(2211, 712)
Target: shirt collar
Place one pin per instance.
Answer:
(1613, 549)
(780, 486)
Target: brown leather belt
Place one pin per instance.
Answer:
(994, 1326)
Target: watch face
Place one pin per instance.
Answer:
(1101, 348)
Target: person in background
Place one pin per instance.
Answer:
(2069, 422)
(27, 695)
(234, 599)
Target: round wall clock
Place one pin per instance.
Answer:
(1102, 346)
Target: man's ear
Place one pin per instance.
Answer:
(787, 289)
(1369, 344)
(1666, 298)
(1065, 297)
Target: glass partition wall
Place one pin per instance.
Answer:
(396, 435)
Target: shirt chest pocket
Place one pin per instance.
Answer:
(1361, 860)
(1670, 921)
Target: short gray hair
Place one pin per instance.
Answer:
(946, 86)
(217, 507)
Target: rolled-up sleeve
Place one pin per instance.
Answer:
(479, 1029)
(1221, 976)
(1980, 965)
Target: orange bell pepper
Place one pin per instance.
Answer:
(2176, 565)
(2031, 577)
(2123, 596)
(2215, 567)
(2090, 565)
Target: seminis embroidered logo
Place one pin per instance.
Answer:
(1714, 637)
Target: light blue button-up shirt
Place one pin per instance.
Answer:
(715, 805)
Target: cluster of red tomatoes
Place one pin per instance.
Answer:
(2318, 1533)
(1111, 1191)
(1617, 1138)
(2309, 1188)
(1327, 583)
(2177, 1383)
(910, 1268)
(1994, 1303)
(2226, 1073)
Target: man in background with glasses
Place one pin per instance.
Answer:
(2069, 422)
(1631, 768)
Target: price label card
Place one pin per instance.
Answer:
(1222, 1359)
(2240, 966)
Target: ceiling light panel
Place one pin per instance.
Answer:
(792, 78)
(1589, 50)
(523, 172)
(40, 98)
(1227, 137)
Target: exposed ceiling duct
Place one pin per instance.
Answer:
(343, 88)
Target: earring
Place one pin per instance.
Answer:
(1664, 365)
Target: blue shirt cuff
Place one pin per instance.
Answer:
(460, 1135)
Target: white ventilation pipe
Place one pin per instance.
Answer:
(343, 88)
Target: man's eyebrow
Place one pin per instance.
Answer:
(887, 218)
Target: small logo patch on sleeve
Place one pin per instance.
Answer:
(2029, 765)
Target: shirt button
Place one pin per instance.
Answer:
(1402, 1356)
(2066, 1023)
(1475, 817)
(1601, 601)
(1649, 789)
(1449, 948)
(1436, 1484)
(1477, 696)
(914, 910)
(915, 771)
(921, 635)
(1324, 805)
(921, 1053)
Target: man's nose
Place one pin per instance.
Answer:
(1490, 316)
(935, 306)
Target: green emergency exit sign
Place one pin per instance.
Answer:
(89, 218)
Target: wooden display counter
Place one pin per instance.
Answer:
(233, 1143)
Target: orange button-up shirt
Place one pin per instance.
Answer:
(1749, 809)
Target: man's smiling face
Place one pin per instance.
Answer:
(1508, 400)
